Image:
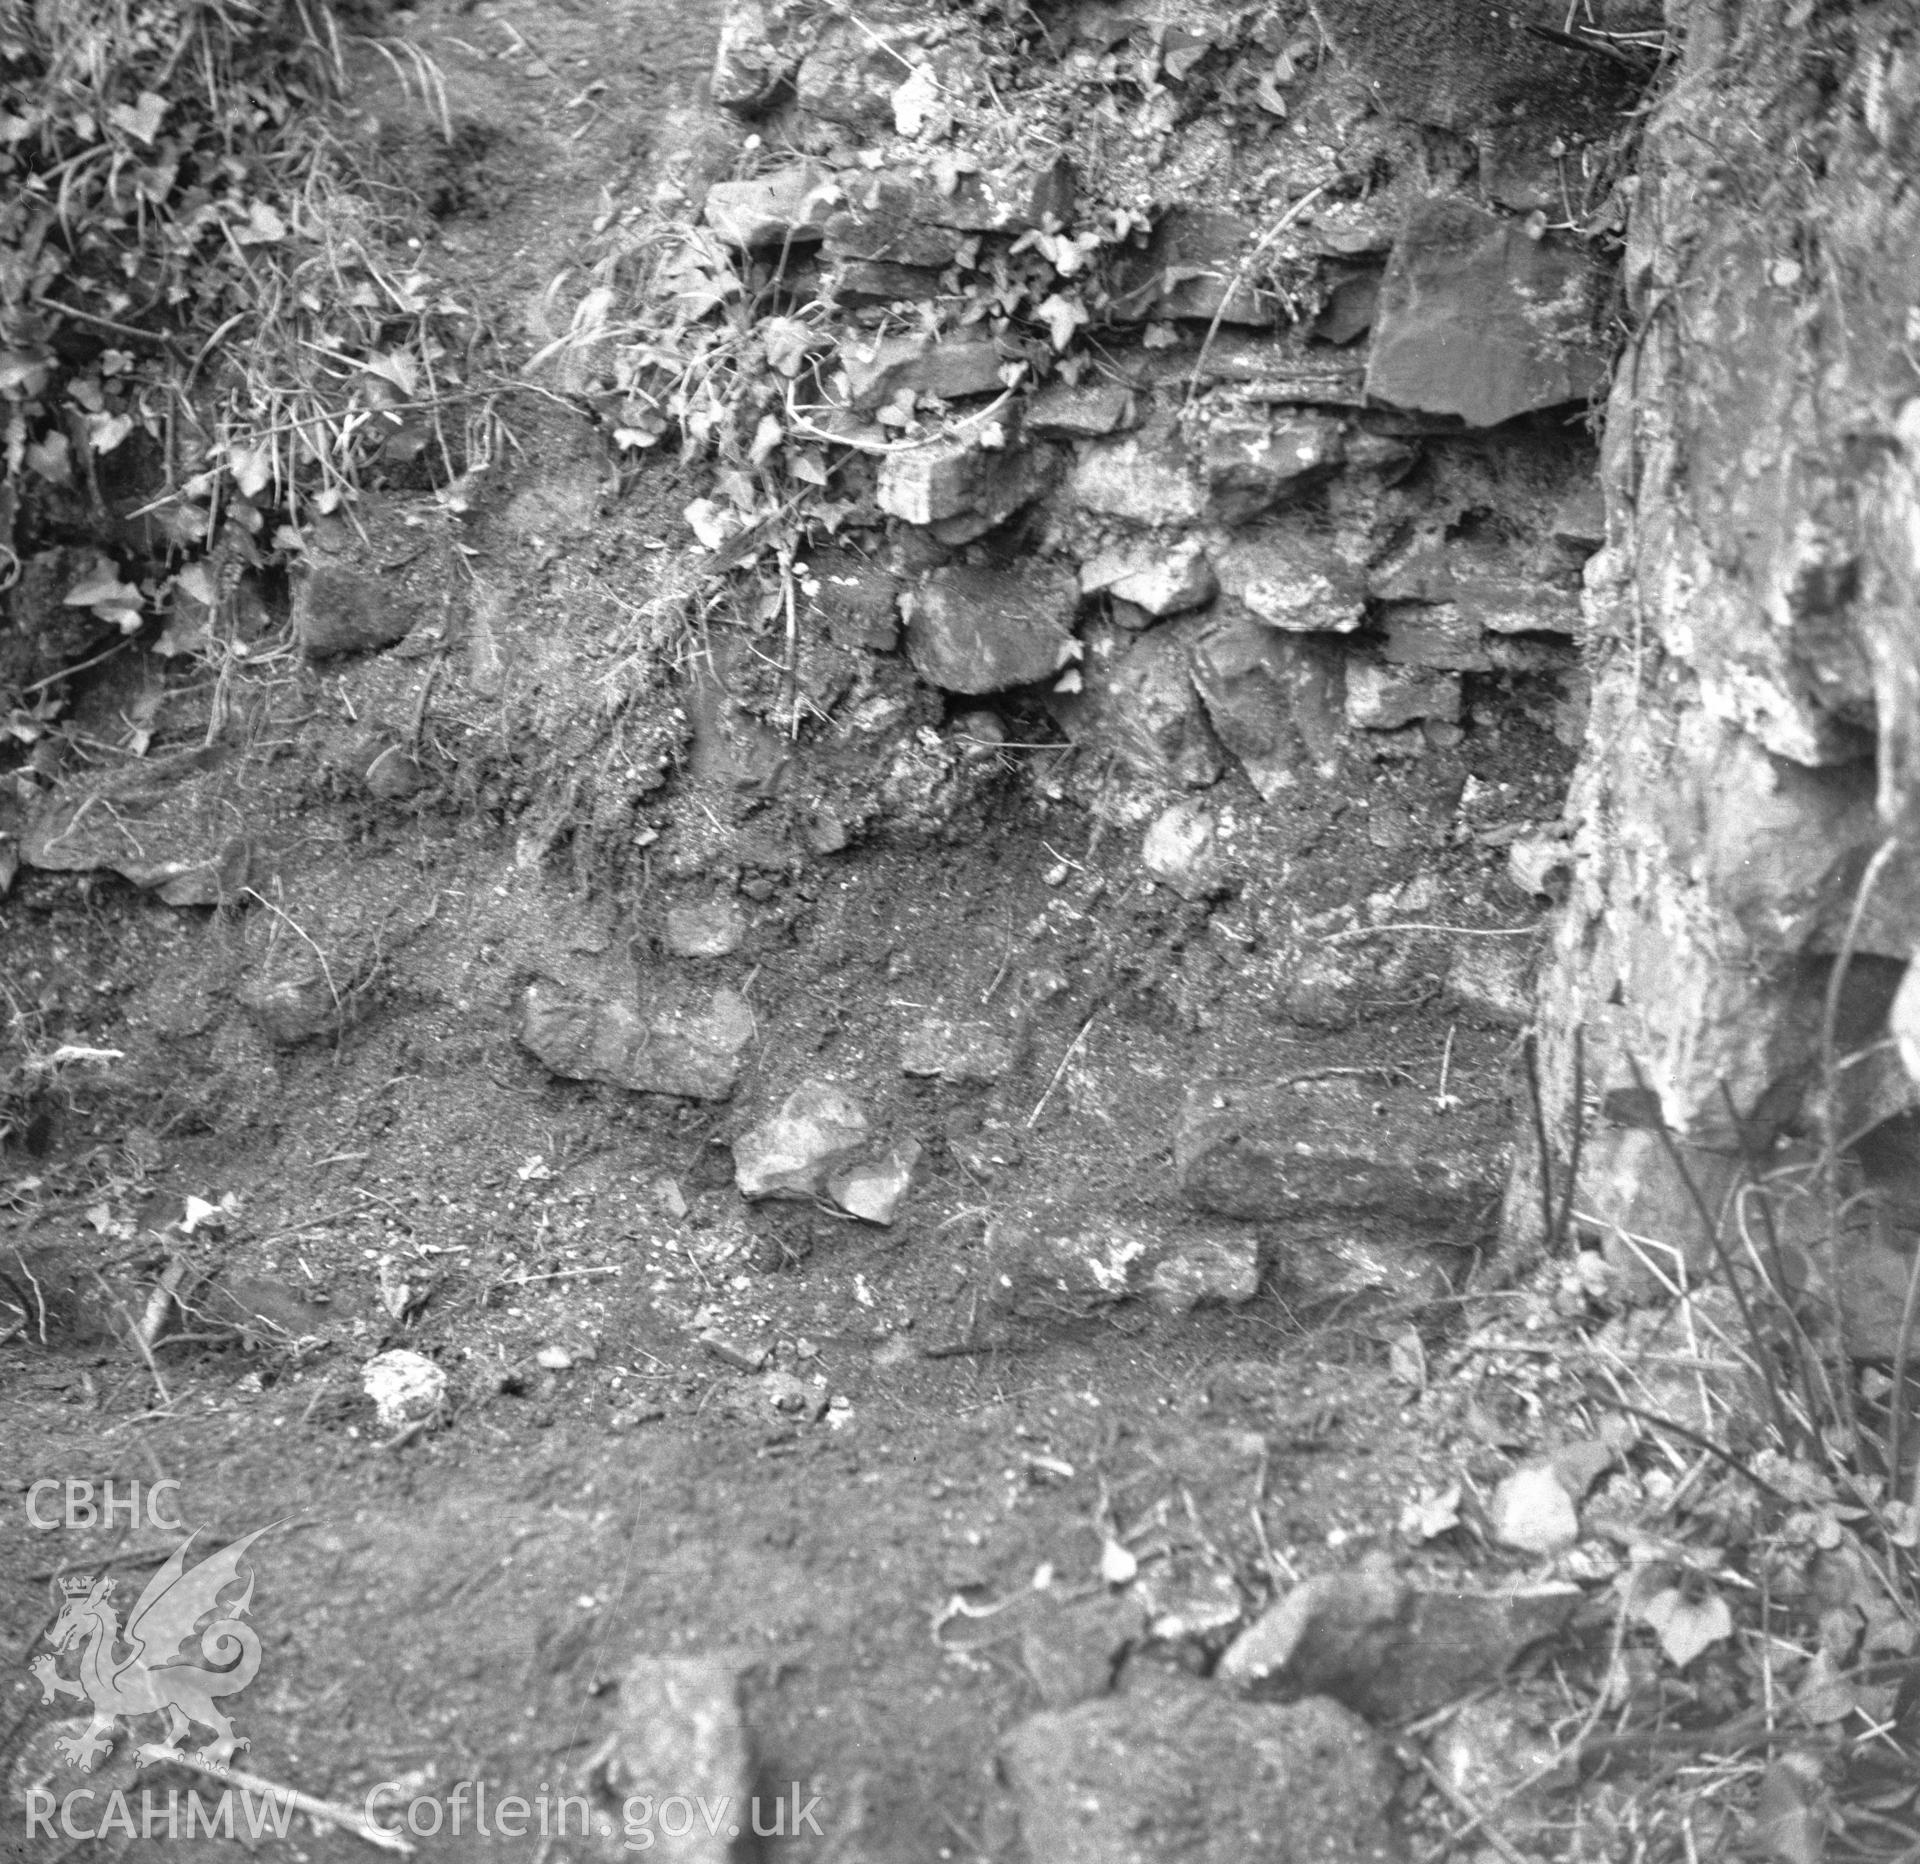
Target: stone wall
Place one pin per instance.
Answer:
(1223, 379)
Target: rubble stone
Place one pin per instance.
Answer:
(1293, 579)
(705, 929)
(1478, 320)
(1194, 260)
(1328, 1144)
(683, 1042)
(1276, 701)
(337, 610)
(1252, 466)
(882, 221)
(768, 210)
(957, 480)
(1163, 580)
(1481, 581)
(681, 1734)
(1383, 697)
(1143, 479)
(1183, 1773)
(1180, 851)
(1137, 701)
(1386, 1649)
(875, 1189)
(1060, 412)
(818, 1130)
(978, 629)
(956, 1049)
(749, 65)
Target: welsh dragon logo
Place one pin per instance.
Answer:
(142, 1669)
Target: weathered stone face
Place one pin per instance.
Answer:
(1478, 320)
(1750, 616)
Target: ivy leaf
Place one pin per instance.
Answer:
(1789, 1811)
(1684, 1626)
(52, 458)
(106, 431)
(252, 468)
(264, 226)
(142, 120)
(102, 590)
(1062, 316)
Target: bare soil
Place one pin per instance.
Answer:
(458, 1605)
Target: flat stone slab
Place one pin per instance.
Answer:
(1185, 1773)
(1476, 319)
(682, 1041)
(1334, 1143)
(1387, 1649)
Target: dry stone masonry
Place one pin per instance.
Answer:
(1208, 373)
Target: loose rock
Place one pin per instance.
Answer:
(817, 1130)
(1181, 852)
(705, 929)
(1276, 702)
(772, 209)
(1264, 1153)
(682, 1735)
(682, 1042)
(956, 1049)
(406, 1387)
(1187, 1774)
(1386, 1649)
(874, 1190)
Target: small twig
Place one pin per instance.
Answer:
(39, 1294)
(1476, 1819)
(1359, 932)
(1694, 1437)
(522, 1281)
(346, 1817)
(1072, 1048)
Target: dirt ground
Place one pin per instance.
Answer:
(456, 1605)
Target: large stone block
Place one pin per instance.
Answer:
(1478, 320)
(1276, 701)
(1329, 1144)
(681, 1041)
(977, 629)
(1185, 1773)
